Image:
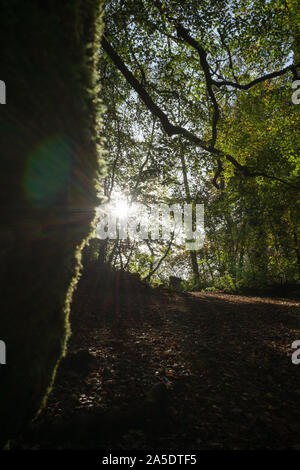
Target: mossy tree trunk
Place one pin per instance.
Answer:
(49, 135)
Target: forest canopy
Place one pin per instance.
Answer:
(199, 110)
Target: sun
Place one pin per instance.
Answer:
(121, 209)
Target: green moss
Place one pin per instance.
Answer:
(50, 134)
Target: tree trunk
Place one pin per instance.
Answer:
(193, 254)
(49, 164)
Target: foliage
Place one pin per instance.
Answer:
(199, 110)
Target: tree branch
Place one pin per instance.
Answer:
(229, 54)
(263, 78)
(170, 128)
(146, 278)
(217, 175)
(182, 32)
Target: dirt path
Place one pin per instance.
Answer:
(225, 362)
